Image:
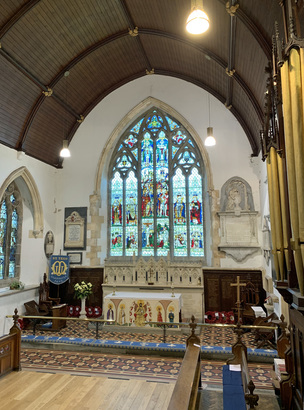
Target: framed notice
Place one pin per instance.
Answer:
(75, 228)
(75, 258)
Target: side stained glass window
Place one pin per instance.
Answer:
(156, 190)
(3, 225)
(10, 233)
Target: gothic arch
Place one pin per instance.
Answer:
(33, 192)
(98, 199)
(143, 106)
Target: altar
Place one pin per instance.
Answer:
(137, 308)
(153, 281)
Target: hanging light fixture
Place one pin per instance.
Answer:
(198, 21)
(210, 140)
(65, 152)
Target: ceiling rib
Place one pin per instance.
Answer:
(132, 28)
(263, 43)
(229, 68)
(35, 80)
(119, 35)
(251, 26)
(17, 16)
(238, 116)
(22, 69)
(231, 57)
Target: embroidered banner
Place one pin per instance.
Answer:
(59, 269)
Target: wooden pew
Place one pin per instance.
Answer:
(242, 381)
(10, 346)
(185, 393)
(282, 381)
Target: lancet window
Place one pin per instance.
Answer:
(10, 233)
(156, 190)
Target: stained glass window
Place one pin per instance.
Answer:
(10, 232)
(156, 190)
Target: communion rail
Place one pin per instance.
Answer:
(185, 394)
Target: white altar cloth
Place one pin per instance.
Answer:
(136, 308)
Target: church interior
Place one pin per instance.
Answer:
(151, 203)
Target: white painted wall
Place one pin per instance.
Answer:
(33, 260)
(72, 185)
(230, 157)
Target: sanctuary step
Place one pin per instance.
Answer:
(134, 329)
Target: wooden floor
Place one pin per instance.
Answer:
(34, 390)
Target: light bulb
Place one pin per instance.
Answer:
(197, 22)
(210, 140)
(65, 152)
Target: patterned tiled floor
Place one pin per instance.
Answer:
(210, 336)
(125, 366)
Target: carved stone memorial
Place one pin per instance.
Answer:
(238, 220)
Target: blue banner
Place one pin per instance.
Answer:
(59, 269)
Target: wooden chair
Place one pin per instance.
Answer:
(44, 298)
(265, 337)
(250, 297)
(33, 309)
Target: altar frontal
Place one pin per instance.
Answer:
(138, 308)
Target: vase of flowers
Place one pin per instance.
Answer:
(82, 291)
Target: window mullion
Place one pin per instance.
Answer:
(7, 238)
(124, 215)
(170, 185)
(187, 214)
(154, 196)
(139, 195)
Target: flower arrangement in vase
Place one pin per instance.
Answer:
(83, 290)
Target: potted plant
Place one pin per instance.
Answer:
(16, 285)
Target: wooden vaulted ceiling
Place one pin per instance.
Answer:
(94, 41)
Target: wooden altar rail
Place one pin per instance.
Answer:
(37, 319)
(164, 325)
(10, 346)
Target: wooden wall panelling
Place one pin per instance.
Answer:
(219, 295)
(78, 274)
(212, 292)
(297, 348)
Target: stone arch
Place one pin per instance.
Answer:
(143, 106)
(25, 181)
(98, 199)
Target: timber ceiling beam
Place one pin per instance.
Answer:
(233, 5)
(25, 8)
(119, 35)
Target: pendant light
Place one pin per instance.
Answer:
(210, 140)
(198, 21)
(65, 152)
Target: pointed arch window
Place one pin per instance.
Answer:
(156, 190)
(10, 233)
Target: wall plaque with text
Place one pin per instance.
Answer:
(75, 221)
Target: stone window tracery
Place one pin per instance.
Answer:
(10, 233)
(156, 190)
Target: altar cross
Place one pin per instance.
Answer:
(238, 293)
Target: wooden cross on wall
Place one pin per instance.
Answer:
(238, 293)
